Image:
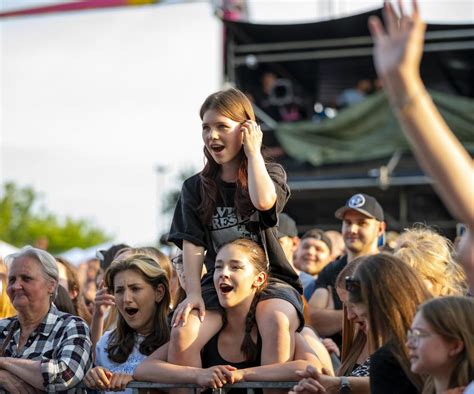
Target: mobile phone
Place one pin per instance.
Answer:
(381, 240)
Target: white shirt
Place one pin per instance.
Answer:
(102, 359)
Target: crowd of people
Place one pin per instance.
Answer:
(245, 298)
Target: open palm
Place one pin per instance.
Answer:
(399, 46)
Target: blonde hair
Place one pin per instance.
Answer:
(6, 307)
(431, 255)
(453, 319)
(122, 340)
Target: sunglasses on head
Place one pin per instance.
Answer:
(353, 287)
(352, 284)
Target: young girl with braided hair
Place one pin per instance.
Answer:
(240, 277)
(238, 194)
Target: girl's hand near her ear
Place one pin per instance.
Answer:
(252, 138)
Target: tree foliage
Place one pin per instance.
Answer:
(171, 197)
(24, 220)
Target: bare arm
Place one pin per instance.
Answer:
(103, 301)
(156, 369)
(326, 321)
(330, 383)
(397, 55)
(273, 372)
(193, 260)
(13, 384)
(27, 370)
(261, 188)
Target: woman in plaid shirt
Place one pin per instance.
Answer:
(40, 348)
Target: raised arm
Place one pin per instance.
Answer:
(103, 301)
(397, 54)
(261, 188)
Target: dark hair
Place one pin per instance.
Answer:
(64, 302)
(109, 255)
(74, 285)
(392, 291)
(122, 340)
(235, 105)
(352, 344)
(257, 257)
(319, 235)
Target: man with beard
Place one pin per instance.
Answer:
(362, 225)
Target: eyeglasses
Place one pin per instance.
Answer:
(414, 335)
(177, 262)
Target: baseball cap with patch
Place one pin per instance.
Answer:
(363, 203)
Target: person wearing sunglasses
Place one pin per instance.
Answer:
(385, 293)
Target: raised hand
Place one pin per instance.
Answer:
(398, 47)
(252, 138)
(103, 300)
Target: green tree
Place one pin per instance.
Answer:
(24, 220)
(171, 197)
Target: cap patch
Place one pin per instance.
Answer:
(356, 201)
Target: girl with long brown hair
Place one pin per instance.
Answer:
(238, 194)
(386, 293)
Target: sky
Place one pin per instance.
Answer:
(92, 103)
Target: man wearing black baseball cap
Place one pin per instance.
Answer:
(362, 225)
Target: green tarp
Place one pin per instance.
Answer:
(368, 131)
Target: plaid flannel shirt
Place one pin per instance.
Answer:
(61, 342)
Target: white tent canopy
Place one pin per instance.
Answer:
(6, 249)
(77, 255)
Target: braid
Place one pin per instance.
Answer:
(248, 347)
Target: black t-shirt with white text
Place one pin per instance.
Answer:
(227, 224)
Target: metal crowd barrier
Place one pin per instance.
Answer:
(248, 386)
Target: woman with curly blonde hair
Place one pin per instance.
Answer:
(431, 255)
